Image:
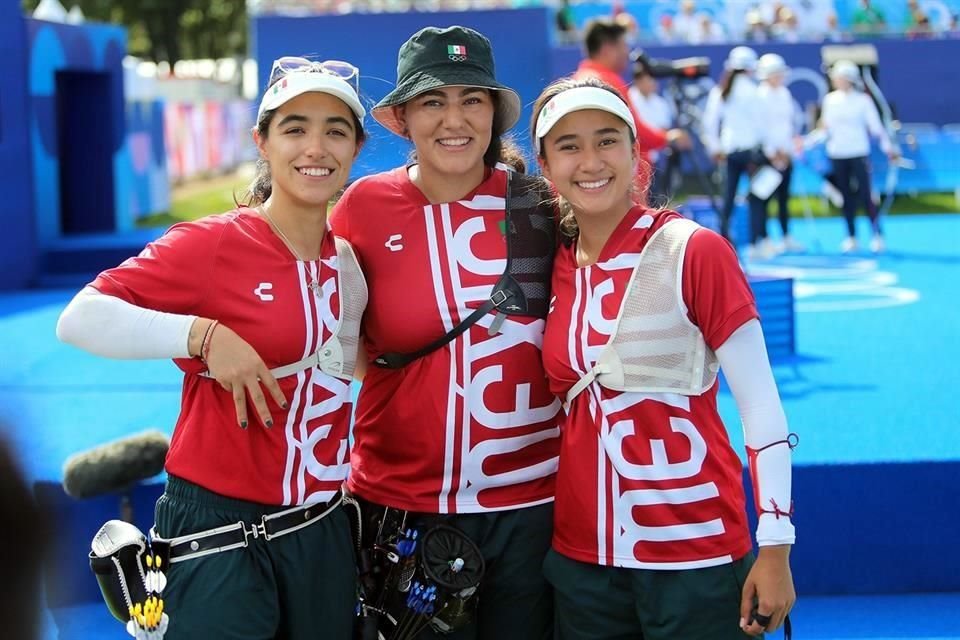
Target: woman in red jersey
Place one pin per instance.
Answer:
(463, 434)
(650, 536)
(260, 307)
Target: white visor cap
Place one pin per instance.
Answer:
(580, 99)
(846, 70)
(299, 82)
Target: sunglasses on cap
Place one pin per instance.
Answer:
(338, 68)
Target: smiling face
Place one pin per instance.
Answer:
(451, 128)
(310, 146)
(588, 156)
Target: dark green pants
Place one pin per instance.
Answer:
(515, 602)
(595, 602)
(301, 586)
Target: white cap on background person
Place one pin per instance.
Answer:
(846, 70)
(771, 64)
(741, 59)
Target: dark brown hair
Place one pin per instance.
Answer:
(601, 31)
(261, 186)
(567, 222)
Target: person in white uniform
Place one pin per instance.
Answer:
(733, 132)
(783, 119)
(849, 119)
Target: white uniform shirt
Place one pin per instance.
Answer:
(849, 119)
(782, 116)
(653, 109)
(734, 124)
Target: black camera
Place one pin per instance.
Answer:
(681, 69)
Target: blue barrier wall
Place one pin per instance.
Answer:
(913, 73)
(95, 51)
(370, 41)
(18, 247)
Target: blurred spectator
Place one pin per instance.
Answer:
(708, 31)
(834, 33)
(785, 28)
(868, 19)
(756, 28)
(954, 30)
(665, 30)
(917, 23)
(631, 29)
(23, 538)
(566, 28)
(647, 102)
(813, 17)
(685, 23)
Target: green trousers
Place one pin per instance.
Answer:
(301, 586)
(596, 602)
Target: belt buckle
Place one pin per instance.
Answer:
(499, 297)
(257, 530)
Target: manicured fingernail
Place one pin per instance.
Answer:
(269, 423)
(243, 424)
(285, 405)
(743, 623)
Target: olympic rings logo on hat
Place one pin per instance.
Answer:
(458, 58)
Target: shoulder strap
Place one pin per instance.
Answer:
(524, 287)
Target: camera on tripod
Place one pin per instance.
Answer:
(680, 69)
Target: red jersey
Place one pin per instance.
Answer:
(472, 426)
(233, 268)
(645, 480)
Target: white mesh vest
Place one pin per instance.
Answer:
(338, 355)
(654, 347)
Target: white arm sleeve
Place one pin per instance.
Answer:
(113, 328)
(743, 359)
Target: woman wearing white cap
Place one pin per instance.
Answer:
(849, 118)
(650, 537)
(733, 130)
(782, 117)
(454, 422)
(250, 528)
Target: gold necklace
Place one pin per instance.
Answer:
(312, 284)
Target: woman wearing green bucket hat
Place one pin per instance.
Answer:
(453, 428)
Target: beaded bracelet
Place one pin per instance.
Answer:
(207, 341)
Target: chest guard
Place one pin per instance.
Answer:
(337, 356)
(524, 287)
(654, 347)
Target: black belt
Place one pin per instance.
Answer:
(237, 536)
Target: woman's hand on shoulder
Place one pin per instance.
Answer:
(240, 370)
(768, 591)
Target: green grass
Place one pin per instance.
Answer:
(201, 199)
(198, 200)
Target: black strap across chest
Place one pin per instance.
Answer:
(524, 287)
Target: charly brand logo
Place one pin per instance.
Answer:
(457, 52)
(393, 242)
(261, 291)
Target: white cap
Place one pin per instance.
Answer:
(741, 59)
(299, 82)
(846, 70)
(580, 99)
(770, 64)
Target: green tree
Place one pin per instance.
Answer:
(172, 30)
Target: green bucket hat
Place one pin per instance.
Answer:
(455, 56)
